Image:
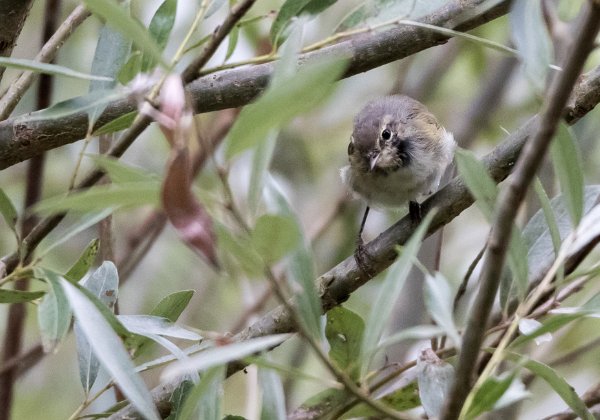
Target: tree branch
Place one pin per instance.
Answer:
(21, 139)
(337, 284)
(13, 14)
(508, 205)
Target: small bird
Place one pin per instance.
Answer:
(398, 153)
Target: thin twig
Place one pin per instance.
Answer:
(48, 52)
(508, 204)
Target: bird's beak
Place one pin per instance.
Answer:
(374, 161)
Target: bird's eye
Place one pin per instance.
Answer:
(386, 134)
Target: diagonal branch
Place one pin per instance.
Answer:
(21, 139)
(509, 203)
(338, 283)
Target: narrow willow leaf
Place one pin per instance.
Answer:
(118, 18)
(344, 332)
(84, 262)
(435, 379)
(373, 12)
(103, 196)
(131, 68)
(531, 38)
(293, 8)
(548, 214)
(173, 305)
(103, 284)
(9, 213)
(261, 160)
(178, 398)
(389, 291)
(83, 223)
(111, 52)
(273, 398)
(45, 68)
(109, 349)
(566, 158)
(301, 270)
(160, 29)
(488, 394)
(19, 296)
(478, 181)
(439, 301)
(558, 384)
(302, 93)
(221, 355)
(54, 314)
(86, 103)
(275, 236)
(150, 324)
(204, 398)
(232, 42)
(121, 173)
(420, 332)
(118, 124)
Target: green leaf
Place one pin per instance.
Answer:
(292, 8)
(221, 355)
(120, 173)
(109, 349)
(373, 12)
(118, 124)
(558, 384)
(178, 398)
(301, 270)
(478, 181)
(102, 197)
(435, 378)
(274, 237)
(9, 213)
(548, 214)
(74, 229)
(131, 68)
(19, 296)
(118, 18)
(261, 160)
(567, 163)
(389, 291)
(205, 397)
(111, 52)
(240, 250)
(54, 314)
(88, 103)
(531, 38)
(488, 394)
(160, 29)
(300, 93)
(273, 398)
(150, 324)
(84, 262)
(232, 42)
(439, 301)
(420, 332)
(45, 68)
(344, 331)
(103, 284)
(538, 238)
(402, 399)
(172, 306)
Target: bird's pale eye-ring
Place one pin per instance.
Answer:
(386, 134)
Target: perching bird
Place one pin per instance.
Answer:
(398, 153)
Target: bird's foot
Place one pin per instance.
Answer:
(363, 258)
(415, 211)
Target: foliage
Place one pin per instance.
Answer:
(255, 196)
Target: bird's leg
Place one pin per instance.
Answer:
(361, 255)
(415, 212)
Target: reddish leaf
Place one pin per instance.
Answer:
(184, 211)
